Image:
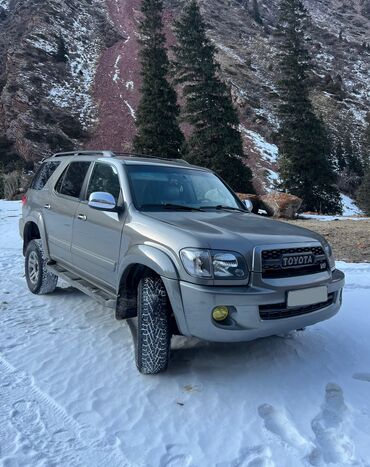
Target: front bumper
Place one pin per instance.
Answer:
(193, 305)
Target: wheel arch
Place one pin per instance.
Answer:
(143, 260)
(34, 229)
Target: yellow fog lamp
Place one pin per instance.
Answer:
(220, 313)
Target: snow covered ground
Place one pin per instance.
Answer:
(70, 394)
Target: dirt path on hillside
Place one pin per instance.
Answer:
(117, 82)
(116, 89)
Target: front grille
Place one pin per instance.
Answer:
(272, 262)
(280, 311)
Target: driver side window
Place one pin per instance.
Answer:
(104, 178)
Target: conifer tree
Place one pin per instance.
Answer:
(158, 131)
(305, 154)
(340, 158)
(61, 54)
(215, 141)
(353, 158)
(363, 193)
(256, 12)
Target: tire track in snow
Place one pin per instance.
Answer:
(35, 430)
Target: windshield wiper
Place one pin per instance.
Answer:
(181, 207)
(221, 206)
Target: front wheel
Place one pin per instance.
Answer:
(39, 280)
(153, 327)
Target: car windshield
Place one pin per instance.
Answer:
(179, 188)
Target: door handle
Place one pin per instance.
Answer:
(47, 206)
(82, 217)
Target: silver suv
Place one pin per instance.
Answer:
(170, 247)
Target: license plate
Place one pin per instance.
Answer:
(293, 261)
(307, 296)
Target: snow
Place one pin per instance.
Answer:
(42, 44)
(325, 218)
(130, 108)
(350, 212)
(268, 151)
(228, 51)
(4, 4)
(349, 207)
(117, 70)
(83, 55)
(71, 395)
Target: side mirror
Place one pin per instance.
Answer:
(248, 205)
(102, 201)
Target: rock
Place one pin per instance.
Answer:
(255, 201)
(281, 204)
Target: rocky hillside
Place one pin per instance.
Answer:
(48, 62)
(49, 50)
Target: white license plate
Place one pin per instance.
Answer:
(307, 296)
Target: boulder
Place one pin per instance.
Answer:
(255, 199)
(281, 204)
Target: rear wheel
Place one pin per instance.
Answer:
(153, 338)
(39, 280)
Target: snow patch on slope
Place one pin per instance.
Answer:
(4, 4)
(350, 212)
(268, 151)
(349, 207)
(268, 154)
(83, 56)
(42, 44)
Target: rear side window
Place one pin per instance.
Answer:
(45, 171)
(71, 181)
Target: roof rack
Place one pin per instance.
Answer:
(115, 154)
(85, 153)
(148, 156)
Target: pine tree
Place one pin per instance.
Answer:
(256, 12)
(305, 152)
(215, 141)
(61, 54)
(340, 158)
(158, 131)
(363, 193)
(352, 157)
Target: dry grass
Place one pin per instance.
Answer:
(350, 239)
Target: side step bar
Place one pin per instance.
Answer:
(103, 297)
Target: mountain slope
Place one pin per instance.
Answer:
(48, 55)
(48, 104)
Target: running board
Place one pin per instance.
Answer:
(103, 297)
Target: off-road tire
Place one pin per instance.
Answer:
(153, 327)
(41, 282)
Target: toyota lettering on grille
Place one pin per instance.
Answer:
(292, 261)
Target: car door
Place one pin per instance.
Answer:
(97, 234)
(60, 210)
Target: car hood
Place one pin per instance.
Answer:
(225, 229)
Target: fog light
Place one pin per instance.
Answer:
(220, 313)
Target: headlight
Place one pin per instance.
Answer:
(329, 254)
(215, 264)
(196, 262)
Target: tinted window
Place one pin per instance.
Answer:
(45, 171)
(104, 178)
(71, 181)
(154, 187)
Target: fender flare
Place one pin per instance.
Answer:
(161, 263)
(39, 221)
(153, 258)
